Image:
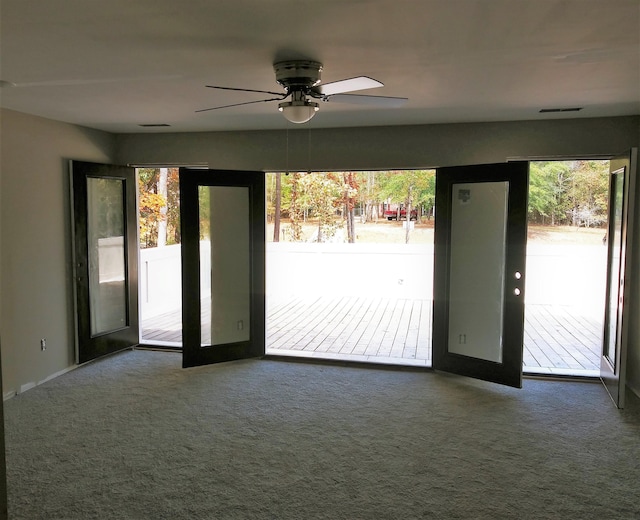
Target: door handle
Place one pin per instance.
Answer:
(517, 275)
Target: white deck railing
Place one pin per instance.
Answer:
(563, 274)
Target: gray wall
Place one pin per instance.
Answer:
(383, 147)
(35, 268)
(35, 265)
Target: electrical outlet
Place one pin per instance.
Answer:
(240, 325)
(43, 344)
(462, 339)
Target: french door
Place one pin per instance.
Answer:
(222, 220)
(479, 271)
(622, 173)
(105, 263)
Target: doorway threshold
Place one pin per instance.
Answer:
(528, 372)
(355, 358)
(560, 372)
(163, 345)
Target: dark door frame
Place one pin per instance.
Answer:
(89, 345)
(509, 370)
(194, 353)
(613, 364)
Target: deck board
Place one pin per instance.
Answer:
(382, 329)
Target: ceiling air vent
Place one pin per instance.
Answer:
(154, 125)
(550, 110)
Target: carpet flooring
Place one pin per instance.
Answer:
(134, 436)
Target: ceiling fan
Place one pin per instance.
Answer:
(302, 83)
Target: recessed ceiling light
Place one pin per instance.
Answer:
(6, 84)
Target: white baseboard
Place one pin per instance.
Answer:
(58, 374)
(28, 386)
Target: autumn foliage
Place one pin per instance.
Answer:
(158, 206)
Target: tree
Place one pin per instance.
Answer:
(540, 195)
(204, 212)
(295, 209)
(589, 193)
(413, 188)
(568, 192)
(368, 195)
(277, 207)
(551, 180)
(159, 206)
(322, 195)
(350, 191)
(173, 206)
(427, 193)
(150, 203)
(162, 220)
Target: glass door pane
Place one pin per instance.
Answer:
(225, 289)
(616, 320)
(222, 221)
(105, 263)
(107, 254)
(615, 238)
(477, 269)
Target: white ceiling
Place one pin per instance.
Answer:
(116, 64)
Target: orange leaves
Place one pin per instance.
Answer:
(149, 206)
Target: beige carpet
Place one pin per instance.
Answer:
(135, 436)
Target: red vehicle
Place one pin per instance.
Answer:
(391, 213)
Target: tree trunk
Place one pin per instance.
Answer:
(408, 208)
(277, 203)
(408, 222)
(349, 206)
(350, 218)
(162, 221)
(352, 230)
(295, 213)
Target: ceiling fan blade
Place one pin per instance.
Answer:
(246, 90)
(356, 99)
(348, 85)
(246, 103)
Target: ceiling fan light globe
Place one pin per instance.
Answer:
(298, 111)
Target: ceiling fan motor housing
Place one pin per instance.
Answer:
(298, 74)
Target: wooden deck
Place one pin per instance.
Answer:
(398, 331)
